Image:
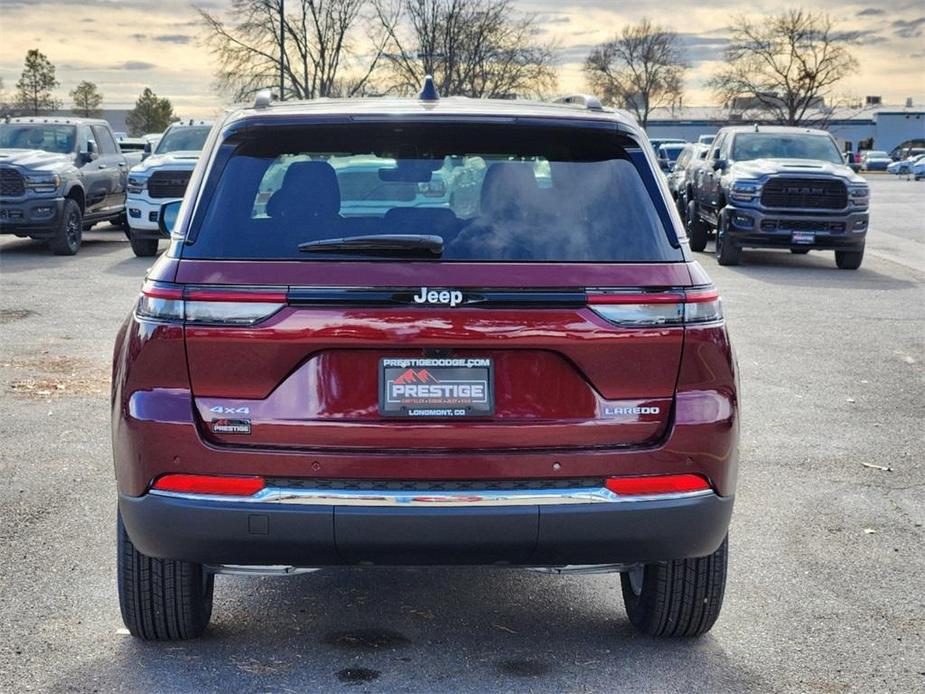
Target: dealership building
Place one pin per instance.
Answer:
(873, 125)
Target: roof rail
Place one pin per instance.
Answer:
(264, 99)
(591, 103)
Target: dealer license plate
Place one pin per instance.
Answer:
(803, 237)
(437, 387)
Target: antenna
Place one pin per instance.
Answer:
(429, 90)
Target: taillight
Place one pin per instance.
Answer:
(223, 485)
(209, 305)
(655, 309)
(655, 485)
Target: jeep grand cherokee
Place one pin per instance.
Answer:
(542, 380)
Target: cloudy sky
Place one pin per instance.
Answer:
(126, 45)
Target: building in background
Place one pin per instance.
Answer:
(871, 126)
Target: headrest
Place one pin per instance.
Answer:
(309, 189)
(508, 188)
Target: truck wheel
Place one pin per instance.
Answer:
(161, 599)
(67, 238)
(849, 260)
(676, 598)
(727, 253)
(143, 248)
(696, 229)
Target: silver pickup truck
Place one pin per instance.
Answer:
(60, 176)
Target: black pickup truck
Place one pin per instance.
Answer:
(777, 187)
(59, 176)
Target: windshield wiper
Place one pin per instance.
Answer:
(378, 244)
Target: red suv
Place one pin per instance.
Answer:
(517, 365)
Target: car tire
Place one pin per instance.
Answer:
(849, 260)
(676, 598)
(161, 599)
(727, 253)
(799, 251)
(69, 235)
(143, 248)
(697, 231)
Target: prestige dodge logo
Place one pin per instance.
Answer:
(421, 387)
(451, 297)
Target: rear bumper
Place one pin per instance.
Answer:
(218, 532)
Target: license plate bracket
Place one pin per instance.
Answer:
(803, 238)
(426, 388)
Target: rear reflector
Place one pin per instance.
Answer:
(209, 305)
(226, 485)
(656, 309)
(657, 484)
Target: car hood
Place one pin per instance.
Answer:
(757, 168)
(34, 159)
(177, 160)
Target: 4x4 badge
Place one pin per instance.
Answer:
(452, 297)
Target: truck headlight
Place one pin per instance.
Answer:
(859, 195)
(744, 190)
(42, 182)
(136, 184)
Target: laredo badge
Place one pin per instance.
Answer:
(231, 426)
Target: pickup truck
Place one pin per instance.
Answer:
(60, 176)
(778, 187)
(160, 178)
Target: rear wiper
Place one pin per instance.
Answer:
(384, 244)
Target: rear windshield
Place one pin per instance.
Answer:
(490, 193)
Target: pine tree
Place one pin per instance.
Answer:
(36, 84)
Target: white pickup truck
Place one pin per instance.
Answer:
(161, 178)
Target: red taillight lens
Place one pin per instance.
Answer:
(652, 485)
(656, 309)
(210, 305)
(224, 485)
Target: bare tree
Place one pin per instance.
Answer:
(640, 69)
(320, 38)
(475, 48)
(784, 66)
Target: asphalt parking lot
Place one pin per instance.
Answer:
(827, 566)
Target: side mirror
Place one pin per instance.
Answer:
(671, 166)
(719, 165)
(168, 216)
(90, 154)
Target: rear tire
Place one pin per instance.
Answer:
(697, 231)
(849, 260)
(161, 599)
(143, 248)
(799, 251)
(69, 234)
(727, 253)
(677, 598)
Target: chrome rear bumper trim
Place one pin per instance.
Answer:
(434, 499)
